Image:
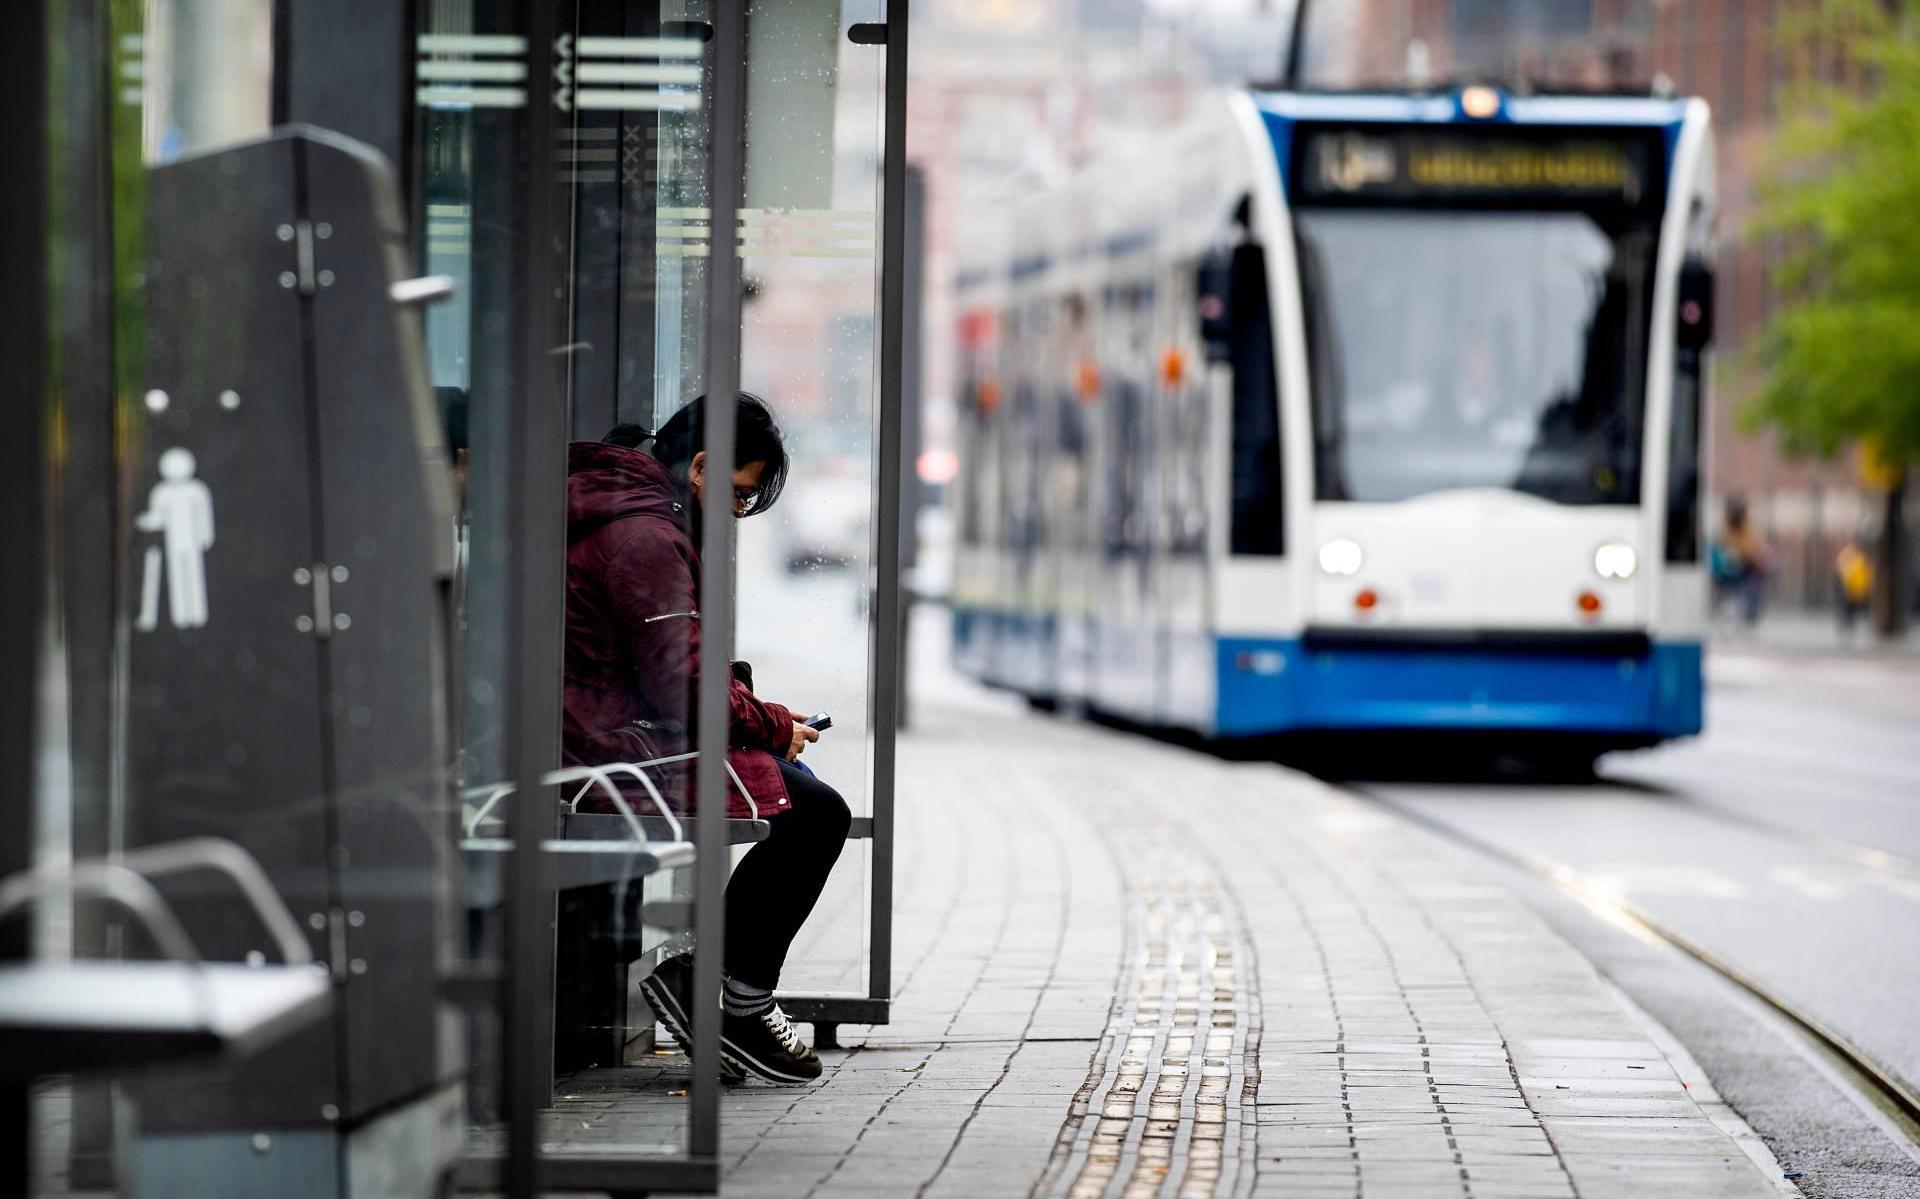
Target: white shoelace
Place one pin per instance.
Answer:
(782, 1029)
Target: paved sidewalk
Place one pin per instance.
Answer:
(1127, 969)
(1810, 631)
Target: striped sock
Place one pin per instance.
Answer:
(744, 999)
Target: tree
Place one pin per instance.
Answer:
(1841, 354)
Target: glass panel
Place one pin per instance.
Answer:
(1259, 498)
(628, 162)
(1683, 459)
(204, 74)
(810, 233)
(145, 396)
(1518, 360)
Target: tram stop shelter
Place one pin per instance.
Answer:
(295, 894)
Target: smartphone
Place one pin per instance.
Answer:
(820, 722)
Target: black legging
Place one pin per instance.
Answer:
(776, 884)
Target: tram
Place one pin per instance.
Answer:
(1350, 412)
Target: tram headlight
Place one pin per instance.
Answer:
(1615, 560)
(1341, 556)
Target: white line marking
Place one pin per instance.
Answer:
(469, 71)
(471, 43)
(620, 72)
(477, 97)
(638, 47)
(639, 100)
(1807, 882)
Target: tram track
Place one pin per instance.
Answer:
(1887, 1097)
(1878, 860)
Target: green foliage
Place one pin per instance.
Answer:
(1841, 355)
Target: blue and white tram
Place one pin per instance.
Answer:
(1343, 412)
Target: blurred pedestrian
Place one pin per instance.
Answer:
(1853, 570)
(1738, 561)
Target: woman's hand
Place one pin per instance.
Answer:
(801, 735)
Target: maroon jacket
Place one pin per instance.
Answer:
(633, 634)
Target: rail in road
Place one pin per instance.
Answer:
(1782, 850)
(1882, 1084)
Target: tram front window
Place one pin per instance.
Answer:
(1454, 350)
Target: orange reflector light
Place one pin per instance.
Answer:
(986, 393)
(1173, 366)
(1366, 599)
(1589, 603)
(1087, 382)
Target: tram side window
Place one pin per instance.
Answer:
(1236, 319)
(1683, 461)
(1071, 366)
(1129, 309)
(1695, 333)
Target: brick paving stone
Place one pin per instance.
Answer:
(1126, 968)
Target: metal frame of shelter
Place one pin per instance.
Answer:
(535, 492)
(323, 76)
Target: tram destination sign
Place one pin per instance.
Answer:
(1505, 166)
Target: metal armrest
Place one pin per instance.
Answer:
(225, 857)
(127, 881)
(597, 776)
(753, 805)
(110, 881)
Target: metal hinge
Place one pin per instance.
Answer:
(324, 620)
(307, 274)
(337, 942)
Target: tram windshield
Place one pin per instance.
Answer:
(1476, 349)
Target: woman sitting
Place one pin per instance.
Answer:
(632, 672)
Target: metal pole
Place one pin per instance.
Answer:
(1290, 79)
(535, 494)
(885, 675)
(912, 404)
(89, 494)
(23, 453)
(726, 163)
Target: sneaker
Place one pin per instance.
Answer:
(669, 992)
(767, 1045)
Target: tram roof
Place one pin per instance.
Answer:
(1444, 108)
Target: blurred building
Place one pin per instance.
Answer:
(1730, 52)
(1009, 98)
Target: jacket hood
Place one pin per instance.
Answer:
(607, 482)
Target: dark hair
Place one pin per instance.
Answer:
(628, 436)
(757, 438)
